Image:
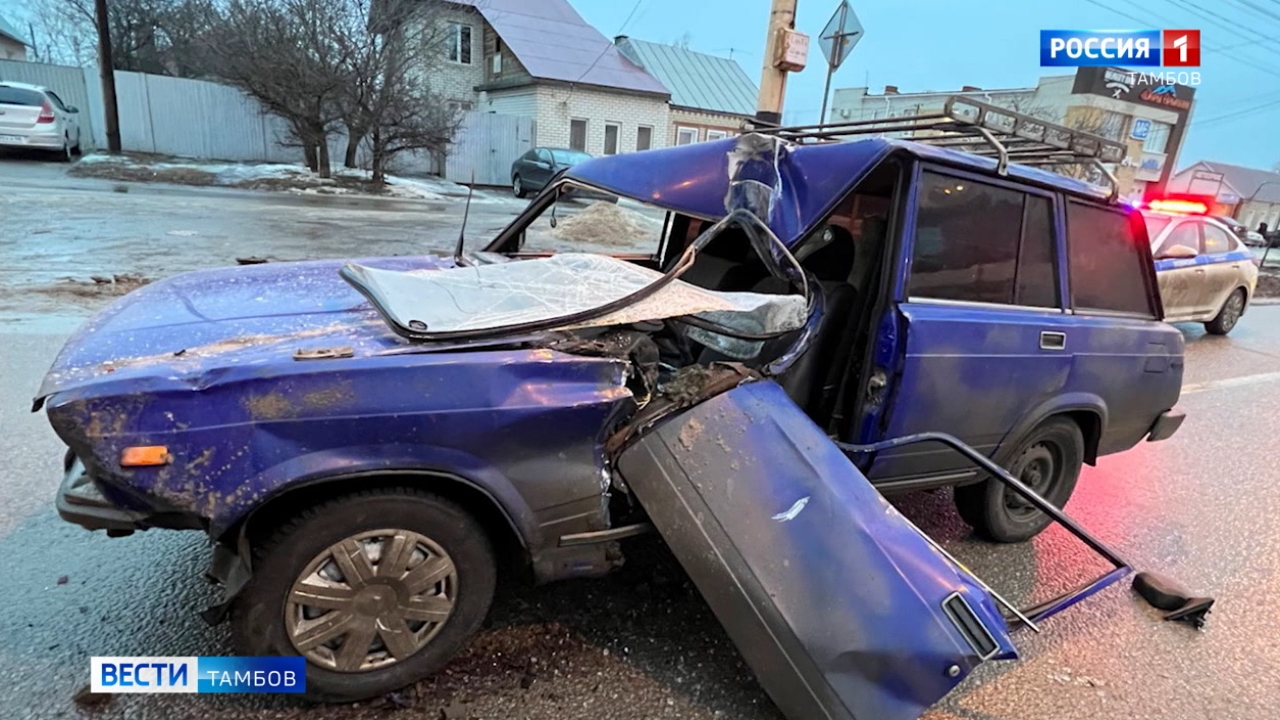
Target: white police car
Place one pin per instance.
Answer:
(1206, 273)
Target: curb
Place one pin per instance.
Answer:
(1265, 301)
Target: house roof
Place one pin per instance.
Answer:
(696, 80)
(7, 30)
(553, 42)
(1247, 181)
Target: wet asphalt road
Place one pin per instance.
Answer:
(642, 644)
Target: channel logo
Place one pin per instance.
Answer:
(1135, 48)
(197, 674)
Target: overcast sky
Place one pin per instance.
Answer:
(923, 45)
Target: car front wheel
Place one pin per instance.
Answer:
(1228, 316)
(1048, 461)
(376, 590)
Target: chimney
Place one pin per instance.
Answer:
(890, 89)
(619, 39)
(970, 88)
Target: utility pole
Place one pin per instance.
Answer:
(109, 108)
(780, 52)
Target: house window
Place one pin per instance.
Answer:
(611, 138)
(686, 135)
(717, 134)
(578, 135)
(644, 137)
(1157, 138)
(459, 43)
(458, 106)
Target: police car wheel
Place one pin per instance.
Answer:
(1048, 460)
(376, 589)
(1228, 316)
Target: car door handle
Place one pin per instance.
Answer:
(1050, 340)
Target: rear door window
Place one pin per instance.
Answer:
(981, 243)
(1106, 259)
(1216, 240)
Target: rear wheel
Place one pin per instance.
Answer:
(376, 590)
(517, 187)
(64, 154)
(1048, 460)
(1228, 316)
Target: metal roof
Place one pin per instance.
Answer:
(7, 30)
(553, 42)
(1247, 181)
(696, 80)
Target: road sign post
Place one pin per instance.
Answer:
(843, 31)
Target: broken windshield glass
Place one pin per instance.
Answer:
(439, 303)
(583, 220)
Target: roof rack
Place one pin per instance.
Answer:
(978, 128)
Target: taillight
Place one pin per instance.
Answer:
(46, 113)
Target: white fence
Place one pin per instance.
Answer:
(198, 119)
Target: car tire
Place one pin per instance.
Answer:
(64, 155)
(1048, 459)
(1229, 315)
(316, 546)
(517, 187)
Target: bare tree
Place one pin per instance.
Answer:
(283, 53)
(394, 46)
(165, 37)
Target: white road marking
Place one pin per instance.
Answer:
(1231, 382)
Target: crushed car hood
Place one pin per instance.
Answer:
(242, 315)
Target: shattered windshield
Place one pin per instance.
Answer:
(583, 220)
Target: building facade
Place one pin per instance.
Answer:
(12, 44)
(1117, 104)
(710, 96)
(586, 95)
(1249, 195)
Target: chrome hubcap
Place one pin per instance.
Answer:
(1231, 313)
(371, 600)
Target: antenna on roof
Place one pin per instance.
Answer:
(458, 260)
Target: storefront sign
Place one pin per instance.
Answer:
(1134, 87)
(1141, 129)
(1150, 167)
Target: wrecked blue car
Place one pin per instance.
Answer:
(371, 443)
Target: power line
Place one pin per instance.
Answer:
(1248, 4)
(1200, 123)
(609, 45)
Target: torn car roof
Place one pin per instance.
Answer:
(694, 179)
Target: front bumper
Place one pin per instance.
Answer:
(1166, 425)
(81, 502)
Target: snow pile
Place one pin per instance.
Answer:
(606, 223)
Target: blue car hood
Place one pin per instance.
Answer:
(192, 322)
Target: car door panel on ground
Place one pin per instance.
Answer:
(993, 347)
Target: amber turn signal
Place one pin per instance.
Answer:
(144, 456)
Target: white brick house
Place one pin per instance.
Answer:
(540, 59)
(12, 45)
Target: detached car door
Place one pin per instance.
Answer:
(982, 331)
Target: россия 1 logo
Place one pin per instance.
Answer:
(197, 674)
(1135, 48)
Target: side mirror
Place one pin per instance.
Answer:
(1178, 252)
(73, 109)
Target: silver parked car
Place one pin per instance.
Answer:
(34, 117)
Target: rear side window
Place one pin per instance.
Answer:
(1109, 270)
(980, 243)
(1216, 240)
(20, 96)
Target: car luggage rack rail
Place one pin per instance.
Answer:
(980, 129)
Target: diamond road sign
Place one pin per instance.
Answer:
(842, 32)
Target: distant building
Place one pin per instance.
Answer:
(1115, 103)
(1249, 195)
(710, 95)
(12, 45)
(540, 59)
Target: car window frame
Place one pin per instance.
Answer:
(1231, 238)
(907, 251)
(57, 101)
(544, 155)
(1154, 302)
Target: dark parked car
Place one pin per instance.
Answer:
(533, 170)
(373, 447)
